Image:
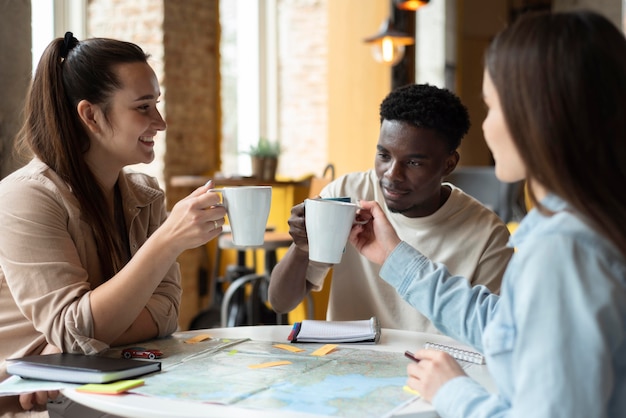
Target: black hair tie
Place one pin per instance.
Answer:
(69, 42)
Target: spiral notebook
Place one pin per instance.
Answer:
(319, 331)
(457, 353)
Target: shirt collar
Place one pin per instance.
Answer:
(534, 217)
(136, 191)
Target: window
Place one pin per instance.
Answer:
(51, 19)
(249, 79)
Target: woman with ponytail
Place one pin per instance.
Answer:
(87, 251)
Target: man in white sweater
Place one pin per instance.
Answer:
(421, 129)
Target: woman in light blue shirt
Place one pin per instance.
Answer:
(555, 338)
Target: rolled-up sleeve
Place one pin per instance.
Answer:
(164, 305)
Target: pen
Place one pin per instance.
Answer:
(294, 331)
(410, 355)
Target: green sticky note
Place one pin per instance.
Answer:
(114, 388)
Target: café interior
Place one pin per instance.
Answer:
(304, 77)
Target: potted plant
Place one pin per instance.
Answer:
(264, 156)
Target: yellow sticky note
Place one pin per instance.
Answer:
(289, 347)
(269, 364)
(114, 388)
(406, 388)
(198, 338)
(323, 350)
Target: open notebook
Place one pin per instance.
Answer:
(318, 331)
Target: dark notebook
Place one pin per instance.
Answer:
(79, 368)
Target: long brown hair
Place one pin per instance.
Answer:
(561, 79)
(68, 72)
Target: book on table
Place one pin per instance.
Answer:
(79, 368)
(319, 331)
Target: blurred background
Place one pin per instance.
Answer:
(296, 73)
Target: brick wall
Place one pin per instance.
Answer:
(191, 47)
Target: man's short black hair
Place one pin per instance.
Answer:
(430, 107)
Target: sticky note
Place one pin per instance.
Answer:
(198, 338)
(323, 350)
(406, 388)
(110, 388)
(269, 364)
(288, 347)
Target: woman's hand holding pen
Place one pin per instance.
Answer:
(375, 239)
(430, 370)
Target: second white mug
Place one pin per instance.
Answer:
(328, 224)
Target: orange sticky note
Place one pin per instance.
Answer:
(323, 350)
(198, 338)
(289, 347)
(269, 364)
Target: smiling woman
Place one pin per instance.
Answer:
(84, 240)
(125, 135)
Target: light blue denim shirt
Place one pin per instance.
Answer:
(555, 338)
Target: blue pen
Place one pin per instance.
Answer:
(294, 331)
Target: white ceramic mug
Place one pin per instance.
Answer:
(247, 208)
(328, 224)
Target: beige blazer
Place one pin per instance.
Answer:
(49, 262)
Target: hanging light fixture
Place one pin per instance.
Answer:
(411, 5)
(388, 44)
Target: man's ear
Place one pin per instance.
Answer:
(451, 161)
(88, 114)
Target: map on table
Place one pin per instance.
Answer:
(345, 382)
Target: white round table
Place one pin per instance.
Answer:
(138, 406)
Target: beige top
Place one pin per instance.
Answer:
(49, 262)
(463, 234)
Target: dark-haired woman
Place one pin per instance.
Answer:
(555, 338)
(87, 254)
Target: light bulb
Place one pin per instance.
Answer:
(388, 52)
(411, 5)
(388, 44)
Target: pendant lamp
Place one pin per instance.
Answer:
(388, 44)
(411, 5)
